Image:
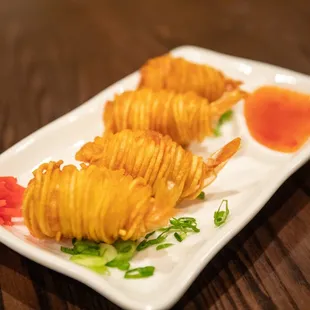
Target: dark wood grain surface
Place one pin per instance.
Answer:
(55, 54)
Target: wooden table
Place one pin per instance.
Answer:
(56, 54)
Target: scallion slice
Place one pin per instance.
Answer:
(180, 236)
(138, 273)
(220, 217)
(201, 196)
(164, 246)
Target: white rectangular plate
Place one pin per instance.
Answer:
(248, 181)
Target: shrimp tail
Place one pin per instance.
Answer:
(219, 159)
(167, 195)
(226, 102)
(231, 84)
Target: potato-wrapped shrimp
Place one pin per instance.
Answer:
(180, 75)
(184, 117)
(94, 203)
(150, 155)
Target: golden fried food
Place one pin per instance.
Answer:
(150, 155)
(184, 117)
(180, 75)
(94, 203)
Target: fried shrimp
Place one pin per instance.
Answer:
(151, 155)
(180, 75)
(184, 117)
(94, 203)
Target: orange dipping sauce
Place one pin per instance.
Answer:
(278, 118)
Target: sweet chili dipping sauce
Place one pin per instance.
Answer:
(278, 118)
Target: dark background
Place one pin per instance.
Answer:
(55, 54)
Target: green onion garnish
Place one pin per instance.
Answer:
(227, 116)
(107, 251)
(86, 244)
(149, 234)
(83, 247)
(68, 250)
(220, 217)
(180, 227)
(138, 273)
(180, 236)
(201, 196)
(90, 252)
(164, 246)
(216, 131)
(147, 243)
(125, 252)
(95, 263)
(121, 265)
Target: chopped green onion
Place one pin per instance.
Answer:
(147, 243)
(87, 244)
(108, 252)
(220, 217)
(216, 131)
(138, 273)
(82, 247)
(149, 234)
(223, 119)
(180, 226)
(162, 229)
(96, 263)
(227, 116)
(121, 265)
(164, 246)
(201, 196)
(100, 270)
(68, 250)
(125, 249)
(90, 252)
(180, 236)
(125, 252)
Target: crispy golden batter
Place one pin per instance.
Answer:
(184, 117)
(150, 155)
(180, 75)
(94, 203)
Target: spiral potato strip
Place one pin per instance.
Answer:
(180, 75)
(184, 117)
(94, 203)
(150, 155)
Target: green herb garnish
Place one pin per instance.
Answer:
(125, 252)
(121, 265)
(90, 254)
(94, 263)
(147, 243)
(83, 247)
(201, 196)
(180, 236)
(180, 227)
(68, 250)
(227, 116)
(164, 246)
(149, 234)
(138, 273)
(220, 217)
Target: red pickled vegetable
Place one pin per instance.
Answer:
(11, 195)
